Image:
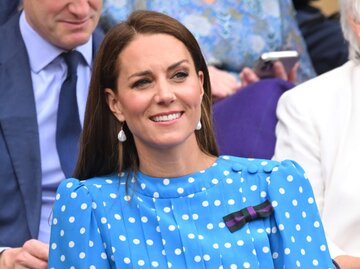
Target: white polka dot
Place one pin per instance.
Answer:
(205, 203)
(245, 264)
(127, 198)
(143, 186)
(206, 257)
(141, 262)
(227, 245)
(103, 255)
(197, 258)
(229, 180)
(69, 185)
(172, 228)
(281, 227)
(155, 264)
(122, 238)
(127, 260)
(156, 195)
(136, 241)
(91, 243)
(82, 255)
(73, 195)
(311, 200)
(263, 194)
(62, 258)
(103, 220)
(180, 190)
(323, 248)
(93, 205)
(287, 251)
(282, 191)
(117, 216)
(303, 214)
(240, 243)
(216, 246)
(316, 224)
(315, 262)
(214, 181)
(222, 225)
(71, 219)
(294, 202)
(265, 249)
(149, 242)
(177, 251)
(62, 233)
(287, 215)
(53, 246)
(302, 251)
(191, 236)
(92, 267)
(55, 221)
(298, 264)
(275, 255)
(231, 202)
(263, 163)
(131, 220)
(63, 208)
(253, 187)
(191, 180)
(71, 244)
(275, 169)
(290, 178)
(210, 226)
(217, 202)
(201, 237)
(113, 195)
(185, 217)
(308, 238)
(274, 203)
(57, 197)
(226, 173)
(109, 181)
(167, 209)
(195, 216)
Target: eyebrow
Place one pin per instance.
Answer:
(147, 72)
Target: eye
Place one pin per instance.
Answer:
(181, 75)
(141, 83)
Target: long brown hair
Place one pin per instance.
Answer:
(100, 151)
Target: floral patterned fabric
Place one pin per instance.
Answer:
(232, 33)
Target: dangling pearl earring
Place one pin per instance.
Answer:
(198, 126)
(121, 136)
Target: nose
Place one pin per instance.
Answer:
(164, 94)
(80, 8)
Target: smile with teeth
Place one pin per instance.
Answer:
(168, 117)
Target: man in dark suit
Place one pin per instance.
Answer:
(32, 71)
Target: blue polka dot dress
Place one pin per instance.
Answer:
(179, 222)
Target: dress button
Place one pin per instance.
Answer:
(252, 168)
(237, 167)
(268, 168)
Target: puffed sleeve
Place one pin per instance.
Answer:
(75, 240)
(297, 236)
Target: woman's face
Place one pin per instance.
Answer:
(159, 92)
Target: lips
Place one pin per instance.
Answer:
(166, 117)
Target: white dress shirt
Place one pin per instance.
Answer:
(319, 127)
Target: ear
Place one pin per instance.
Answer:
(201, 82)
(114, 104)
(355, 27)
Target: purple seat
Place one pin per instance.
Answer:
(244, 123)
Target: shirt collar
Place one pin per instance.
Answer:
(42, 51)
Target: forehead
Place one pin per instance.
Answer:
(153, 49)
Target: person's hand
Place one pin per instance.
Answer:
(32, 255)
(248, 75)
(348, 262)
(222, 83)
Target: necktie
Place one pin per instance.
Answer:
(68, 126)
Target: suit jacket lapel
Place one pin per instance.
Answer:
(19, 122)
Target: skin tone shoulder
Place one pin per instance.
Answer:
(159, 96)
(65, 24)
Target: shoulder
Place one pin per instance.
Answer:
(259, 166)
(94, 188)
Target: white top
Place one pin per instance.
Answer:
(319, 127)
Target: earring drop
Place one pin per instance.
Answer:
(198, 126)
(121, 136)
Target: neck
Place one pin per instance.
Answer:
(174, 162)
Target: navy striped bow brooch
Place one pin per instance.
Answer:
(236, 220)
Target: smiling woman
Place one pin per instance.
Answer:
(151, 190)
